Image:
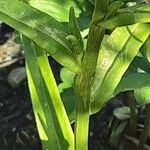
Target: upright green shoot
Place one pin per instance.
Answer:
(84, 79)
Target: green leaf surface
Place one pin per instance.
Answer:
(52, 122)
(113, 8)
(59, 9)
(145, 50)
(75, 38)
(132, 82)
(114, 58)
(68, 98)
(73, 27)
(142, 95)
(44, 30)
(141, 7)
(67, 78)
(141, 64)
(128, 16)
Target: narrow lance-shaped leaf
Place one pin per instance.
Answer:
(52, 122)
(128, 16)
(45, 31)
(75, 38)
(61, 121)
(74, 28)
(114, 58)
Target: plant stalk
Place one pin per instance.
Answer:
(146, 129)
(132, 105)
(83, 80)
(82, 112)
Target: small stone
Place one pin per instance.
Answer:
(16, 76)
(9, 50)
(13, 129)
(91, 134)
(29, 117)
(1, 104)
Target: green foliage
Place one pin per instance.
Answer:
(67, 78)
(59, 9)
(49, 112)
(68, 98)
(98, 71)
(113, 8)
(44, 30)
(116, 132)
(127, 84)
(140, 86)
(75, 36)
(135, 14)
(145, 50)
(142, 95)
(114, 59)
(141, 64)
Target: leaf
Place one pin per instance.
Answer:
(75, 38)
(141, 86)
(122, 113)
(114, 58)
(59, 9)
(132, 15)
(144, 7)
(67, 78)
(146, 49)
(113, 8)
(44, 30)
(117, 131)
(142, 95)
(132, 82)
(141, 64)
(68, 98)
(74, 28)
(51, 118)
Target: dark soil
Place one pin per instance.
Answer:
(17, 126)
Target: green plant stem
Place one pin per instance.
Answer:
(146, 129)
(84, 79)
(83, 88)
(82, 112)
(132, 105)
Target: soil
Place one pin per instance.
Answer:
(17, 125)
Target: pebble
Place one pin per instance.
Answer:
(16, 76)
(9, 50)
